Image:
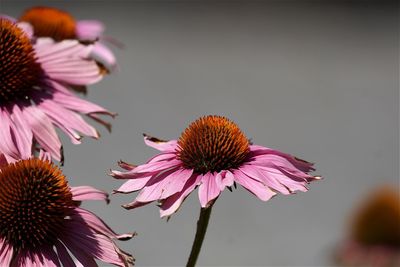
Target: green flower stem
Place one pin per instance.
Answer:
(202, 224)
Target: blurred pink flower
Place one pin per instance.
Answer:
(41, 222)
(374, 234)
(34, 91)
(60, 25)
(212, 153)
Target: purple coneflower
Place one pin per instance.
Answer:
(60, 25)
(374, 234)
(212, 153)
(34, 91)
(41, 222)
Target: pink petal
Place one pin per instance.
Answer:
(6, 253)
(161, 145)
(21, 132)
(175, 182)
(7, 145)
(104, 55)
(260, 175)
(155, 186)
(172, 204)
(98, 225)
(43, 130)
(299, 164)
(80, 193)
(253, 186)
(224, 179)
(133, 185)
(66, 119)
(89, 30)
(157, 166)
(96, 245)
(208, 189)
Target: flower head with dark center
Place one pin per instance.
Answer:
(35, 96)
(61, 25)
(374, 233)
(20, 72)
(40, 219)
(212, 153)
(212, 144)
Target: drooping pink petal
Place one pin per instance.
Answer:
(43, 130)
(7, 144)
(208, 189)
(96, 245)
(304, 166)
(155, 186)
(66, 119)
(104, 55)
(172, 203)
(22, 133)
(89, 30)
(66, 62)
(291, 184)
(133, 185)
(80, 193)
(224, 179)
(161, 145)
(156, 166)
(175, 182)
(257, 188)
(6, 253)
(72, 102)
(97, 224)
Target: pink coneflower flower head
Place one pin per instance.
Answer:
(41, 222)
(34, 92)
(60, 25)
(212, 153)
(374, 232)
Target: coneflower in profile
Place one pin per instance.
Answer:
(35, 95)
(41, 222)
(61, 25)
(374, 234)
(211, 154)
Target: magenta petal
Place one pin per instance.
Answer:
(80, 193)
(253, 186)
(208, 189)
(80, 254)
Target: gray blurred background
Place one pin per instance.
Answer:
(315, 79)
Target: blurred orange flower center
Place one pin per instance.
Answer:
(212, 144)
(378, 222)
(34, 200)
(19, 71)
(50, 22)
